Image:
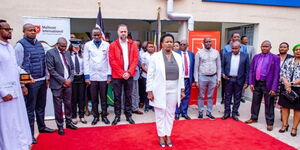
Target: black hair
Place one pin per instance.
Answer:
(96, 28)
(166, 35)
(234, 33)
(288, 46)
(243, 37)
(79, 52)
(177, 42)
(2, 21)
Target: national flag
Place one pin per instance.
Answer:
(99, 23)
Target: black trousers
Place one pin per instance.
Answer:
(62, 96)
(142, 91)
(78, 96)
(232, 88)
(117, 88)
(99, 87)
(36, 103)
(260, 92)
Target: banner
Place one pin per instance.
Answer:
(196, 44)
(286, 3)
(48, 31)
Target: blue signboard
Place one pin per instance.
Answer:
(287, 3)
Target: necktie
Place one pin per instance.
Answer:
(259, 67)
(77, 67)
(65, 60)
(186, 71)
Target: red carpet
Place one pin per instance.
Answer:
(187, 134)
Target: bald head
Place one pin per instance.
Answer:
(62, 44)
(207, 43)
(29, 31)
(235, 47)
(183, 45)
(266, 46)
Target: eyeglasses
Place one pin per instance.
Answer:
(7, 29)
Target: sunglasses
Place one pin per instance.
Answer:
(7, 29)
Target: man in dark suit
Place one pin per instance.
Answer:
(263, 81)
(61, 69)
(235, 68)
(188, 59)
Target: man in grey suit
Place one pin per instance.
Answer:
(61, 69)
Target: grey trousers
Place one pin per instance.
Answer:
(206, 83)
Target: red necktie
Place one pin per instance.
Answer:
(186, 71)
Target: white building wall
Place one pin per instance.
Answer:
(274, 23)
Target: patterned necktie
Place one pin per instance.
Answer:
(77, 67)
(186, 71)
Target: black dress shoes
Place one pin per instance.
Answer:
(235, 117)
(130, 120)
(34, 141)
(116, 120)
(200, 116)
(186, 117)
(61, 131)
(226, 116)
(176, 117)
(105, 120)
(71, 126)
(94, 122)
(47, 130)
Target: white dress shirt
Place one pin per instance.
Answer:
(80, 59)
(66, 72)
(124, 46)
(234, 65)
(145, 60)
(96, 61)
(188, 62)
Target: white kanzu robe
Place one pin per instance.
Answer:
(14, 126)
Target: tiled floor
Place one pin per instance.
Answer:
(218, 112)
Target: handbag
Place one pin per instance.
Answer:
(292, 97)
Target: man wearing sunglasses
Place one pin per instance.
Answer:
(30, 56)
(14, 126)
(188, 58)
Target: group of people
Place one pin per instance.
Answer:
(159, 79)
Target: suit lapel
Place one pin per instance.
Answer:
(56, 52)
(162, 62)
(229, 62)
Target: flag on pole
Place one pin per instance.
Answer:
(99, 22)
(157, 30)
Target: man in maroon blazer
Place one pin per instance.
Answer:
(263, 80)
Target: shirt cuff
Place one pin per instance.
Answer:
(87, 76)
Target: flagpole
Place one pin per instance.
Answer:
(99, 3)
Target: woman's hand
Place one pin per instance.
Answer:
(150, 96)
(182, 95)
(288, 87)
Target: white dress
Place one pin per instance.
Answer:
(15, 132)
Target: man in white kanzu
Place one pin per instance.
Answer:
(15, 132)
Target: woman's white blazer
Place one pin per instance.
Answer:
(156, 79)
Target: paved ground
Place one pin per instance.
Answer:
(218, 112)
